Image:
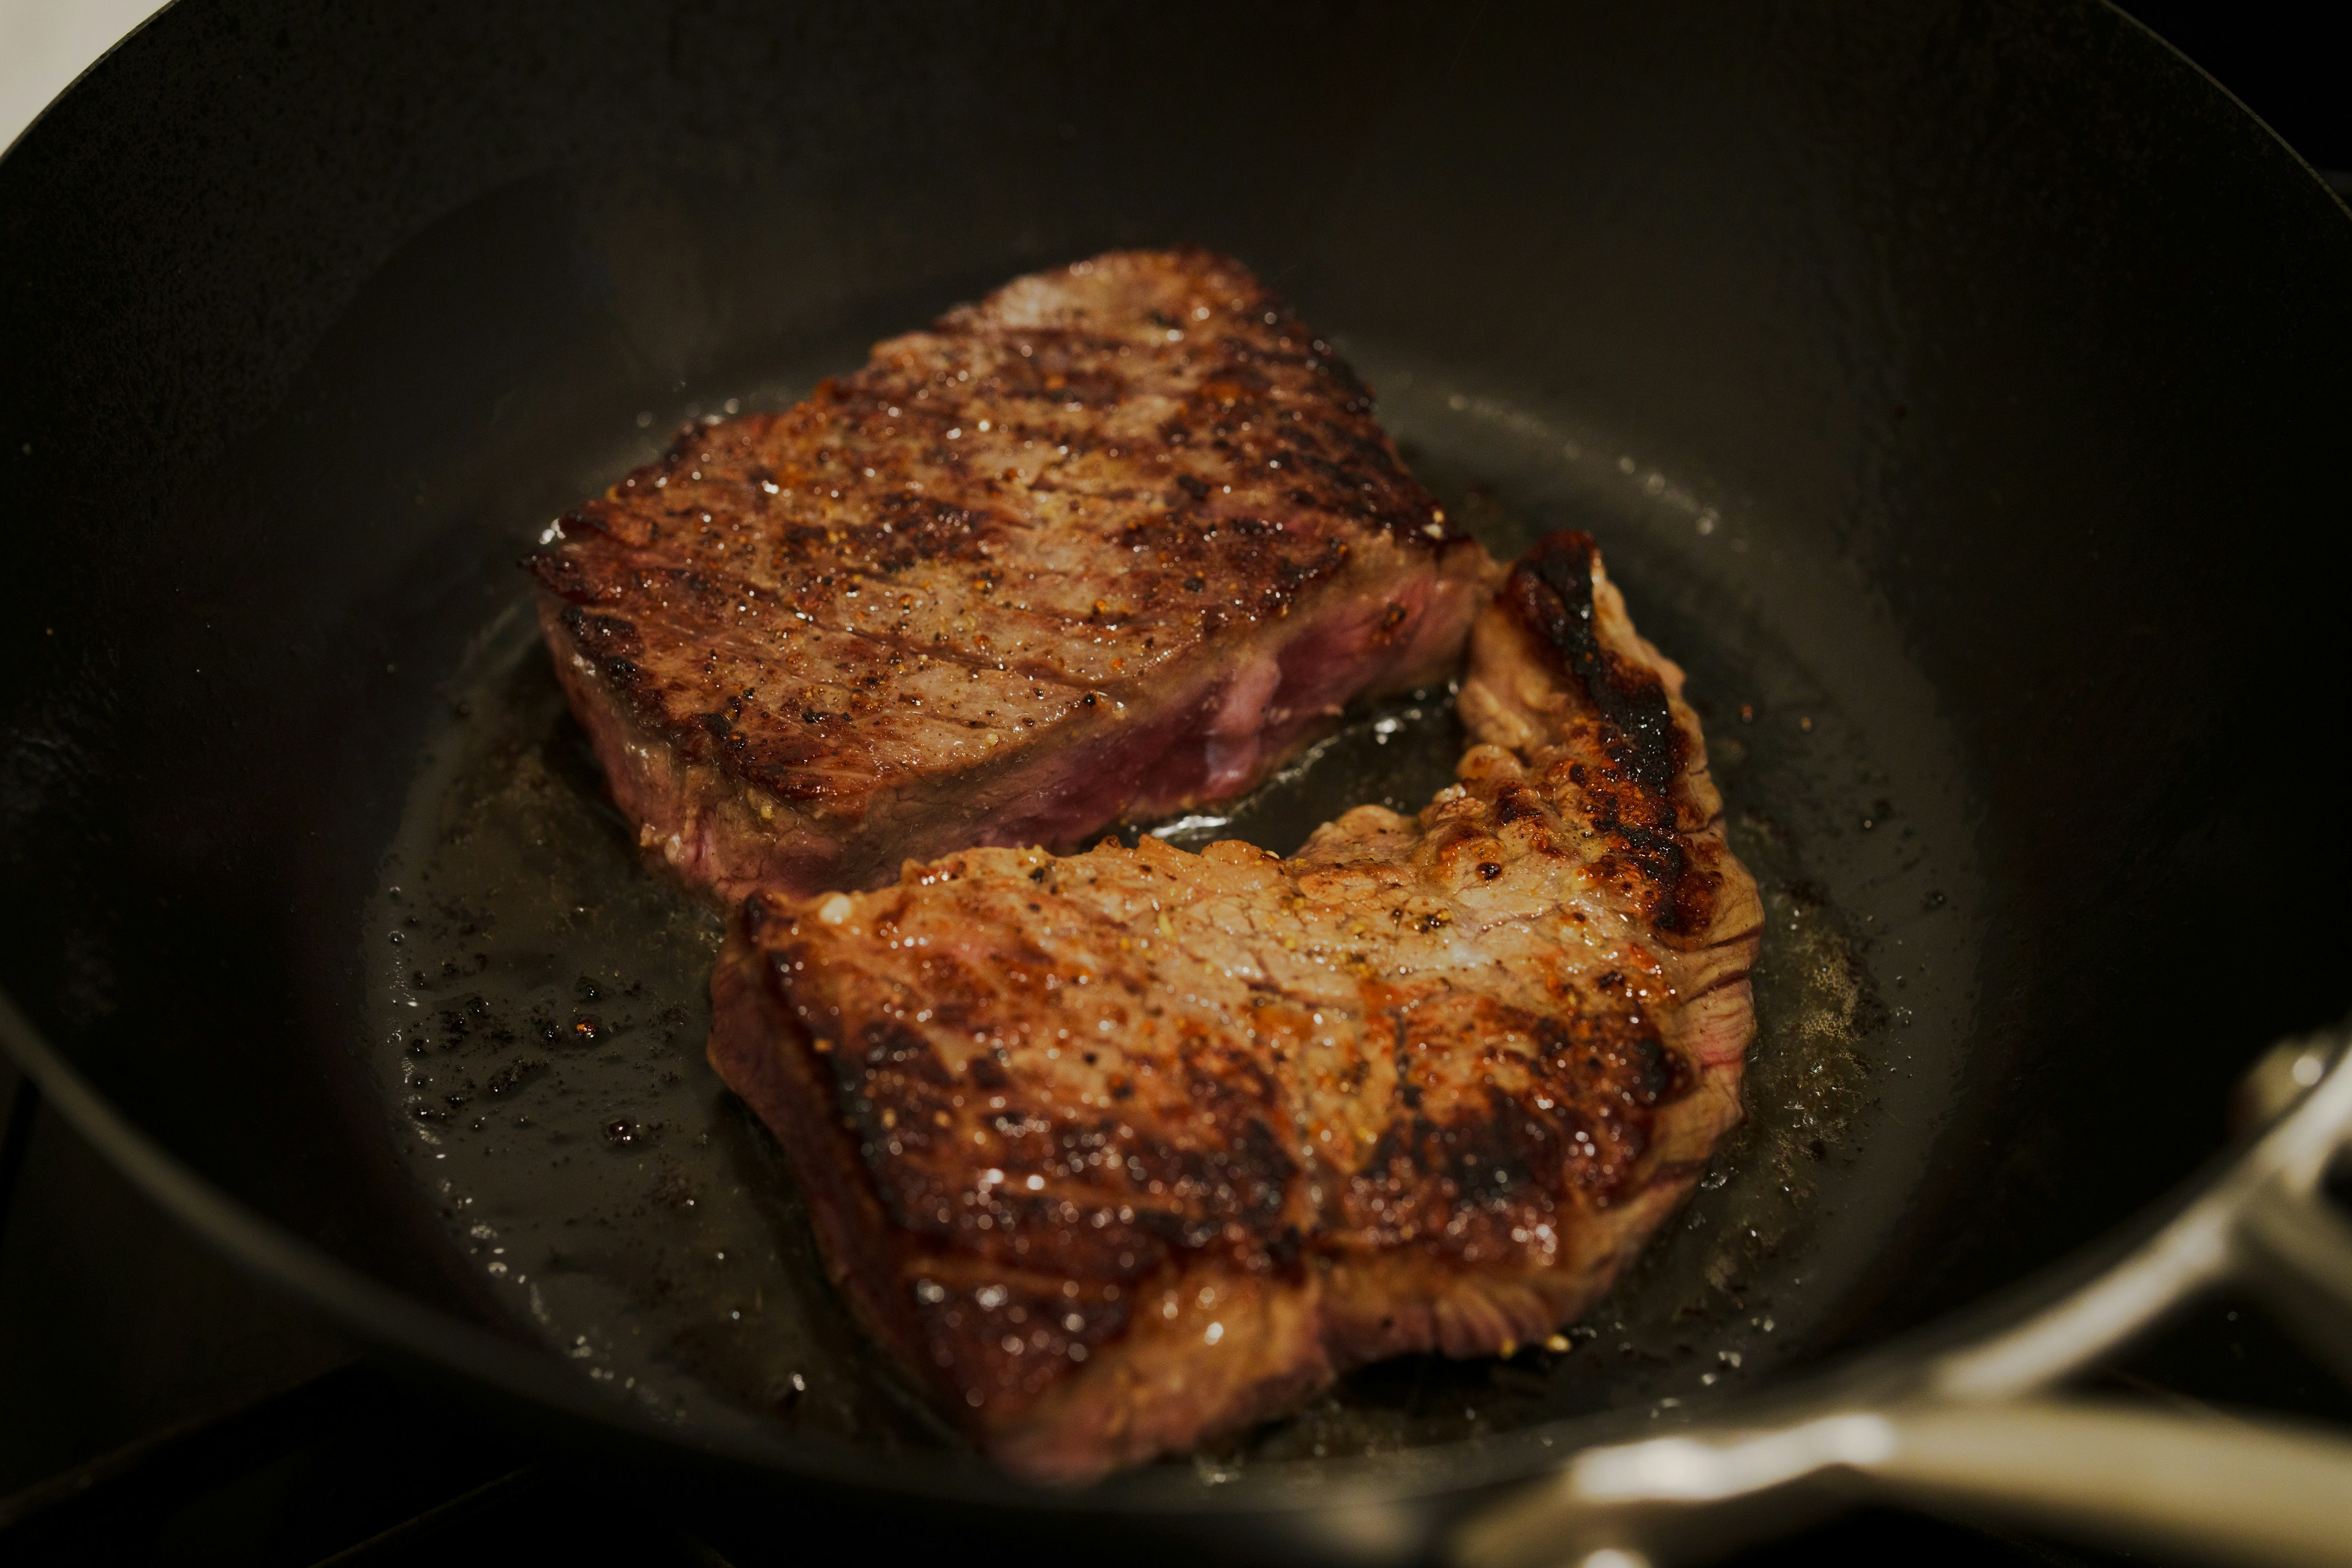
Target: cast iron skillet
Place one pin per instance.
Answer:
(1956, 388)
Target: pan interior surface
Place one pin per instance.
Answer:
(1962, 378)
(537, 995)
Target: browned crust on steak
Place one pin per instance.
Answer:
(1120, 1151)
(1115, 540)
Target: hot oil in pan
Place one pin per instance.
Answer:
(541, 1009)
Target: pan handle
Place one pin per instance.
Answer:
(2294, 1244)
(2295, 1249)
(2263, 1493)
(1972, 1432)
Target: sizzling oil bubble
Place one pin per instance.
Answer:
(542, 1010)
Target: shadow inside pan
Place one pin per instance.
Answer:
(538, 995)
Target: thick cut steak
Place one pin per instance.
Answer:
(1120, 1151)
(1110, 543)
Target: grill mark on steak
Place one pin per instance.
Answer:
(1116, 540)
(1120, 1151)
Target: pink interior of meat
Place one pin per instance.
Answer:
(1173, 750)
(1211, 747)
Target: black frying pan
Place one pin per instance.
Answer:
(1956, 390)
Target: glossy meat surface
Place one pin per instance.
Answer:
(1118, 1151)
(1112, 543)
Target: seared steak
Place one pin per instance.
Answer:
(1110, 543)
(1123, 1149)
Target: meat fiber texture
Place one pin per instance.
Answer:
(1112, 544)
(1119, 1152)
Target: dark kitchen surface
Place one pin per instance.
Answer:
(157, 1406)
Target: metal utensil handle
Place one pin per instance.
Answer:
(2259, 1493)
(1973, 1435)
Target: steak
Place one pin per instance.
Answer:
(1113, 543)
(1119, 1151)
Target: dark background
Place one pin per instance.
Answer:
(2290, 64)
(155, 1404)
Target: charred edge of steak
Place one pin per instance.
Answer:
(1550, 594)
